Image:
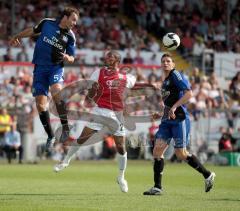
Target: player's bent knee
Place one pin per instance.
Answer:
(158, 152)
(41, 103)
(181, 154)
(41, 107)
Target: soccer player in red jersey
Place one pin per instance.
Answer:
(107, 92)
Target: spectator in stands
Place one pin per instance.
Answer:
(195, 77)
(187, 43)
(153, 77)
(201, 99)
(109, 148)
(22, 56)
(225, 144)
(128, 59)
(7, 88)
(197, 52)
(115, 35)
(205, 83)
(153, 45)
(139, 75)
(8, 56)
(13, 144)
(235, 86)
(4, 127)
(99, 45)
(202, 27)
(236, 47)
(5, 123)
(233, 139)
(152, 60)
(141, 12)
(138, 58)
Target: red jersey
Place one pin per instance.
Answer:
(112, 86)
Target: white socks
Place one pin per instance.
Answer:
(122, 159)
(72, 150)
(122, 164)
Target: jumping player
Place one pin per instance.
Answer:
(54, 46)
(110, 85)
(175, 126)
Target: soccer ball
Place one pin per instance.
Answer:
(171, 41)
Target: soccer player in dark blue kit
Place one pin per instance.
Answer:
(175, 125)
(55, 45)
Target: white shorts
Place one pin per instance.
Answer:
(104, 117)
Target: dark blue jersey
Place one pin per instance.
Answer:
(173, 89)
(52, 41)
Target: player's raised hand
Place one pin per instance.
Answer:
(14, 41)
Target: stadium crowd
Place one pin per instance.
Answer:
(208, 94)
(100, 29)
(205, 21)
(101, 26)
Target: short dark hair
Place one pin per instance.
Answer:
(68, 11)
(167, 55)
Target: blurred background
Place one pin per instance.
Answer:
(209, 55)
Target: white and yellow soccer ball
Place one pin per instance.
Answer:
(171, 41)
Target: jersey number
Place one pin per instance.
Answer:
(55, 78)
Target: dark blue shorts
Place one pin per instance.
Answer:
(45, 76)
(179, 131)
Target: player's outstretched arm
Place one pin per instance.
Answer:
(15, 40)
(144, 85)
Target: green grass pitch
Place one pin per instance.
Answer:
(91, 185)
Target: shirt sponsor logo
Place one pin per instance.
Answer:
(113, 84)
(53, 42)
